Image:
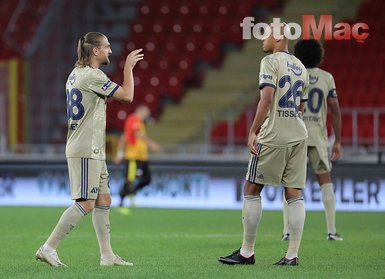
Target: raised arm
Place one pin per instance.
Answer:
(125, 92)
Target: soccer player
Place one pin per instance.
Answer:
(87, 90)
(133, 146)
(322, 94)
(278, 152)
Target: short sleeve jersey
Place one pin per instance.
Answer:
(136, 148)
(321, 88)
(283, 125)
(87, 90)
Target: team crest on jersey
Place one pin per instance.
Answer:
(313, 79)
(297, 70)
(71, 79)
(106, 85)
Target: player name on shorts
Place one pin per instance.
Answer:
(288, 113)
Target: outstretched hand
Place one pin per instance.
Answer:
(134, 57)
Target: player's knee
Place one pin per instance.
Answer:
(103, 200)
(252, 189)
(292, 193)
(87, 205)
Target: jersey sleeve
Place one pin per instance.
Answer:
(268, 73)
(332, 93)
(102, 85)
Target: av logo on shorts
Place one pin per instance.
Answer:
(95, 190)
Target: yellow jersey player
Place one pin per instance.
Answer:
(87, 91)
(278, 153)
(322, 95)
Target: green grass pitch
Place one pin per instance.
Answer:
(172, 243)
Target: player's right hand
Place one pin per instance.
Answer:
(134, 57)
(252, 143)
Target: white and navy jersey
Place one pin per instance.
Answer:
(283, 125)
(321, 88)
(87, 90)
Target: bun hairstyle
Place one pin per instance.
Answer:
(86, 44)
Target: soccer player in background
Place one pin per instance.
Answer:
(322, 94)
(278, 152)
(133, 146)
(87, 91)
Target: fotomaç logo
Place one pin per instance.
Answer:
(309, 30)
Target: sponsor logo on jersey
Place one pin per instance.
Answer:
(106, 85)
(71, 79)
(264, 76)
(297, 70)
(313, 79)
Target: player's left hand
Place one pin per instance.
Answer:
(251, 143)
(336, 151)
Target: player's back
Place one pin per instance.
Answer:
(87, 89)
(321, 88)
(283, 125)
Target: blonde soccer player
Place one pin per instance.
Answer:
(87, 91)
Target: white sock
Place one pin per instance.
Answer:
(101, 222)
(285, 215)
(70, 217)
(48, 248)
(329, 202)
(296, 222)
(251, 216)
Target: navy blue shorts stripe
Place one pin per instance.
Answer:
(254, 163)
(84, 178)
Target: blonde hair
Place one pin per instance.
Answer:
(85, 46)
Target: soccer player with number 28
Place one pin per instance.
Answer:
(87, 90)
(278, 153)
